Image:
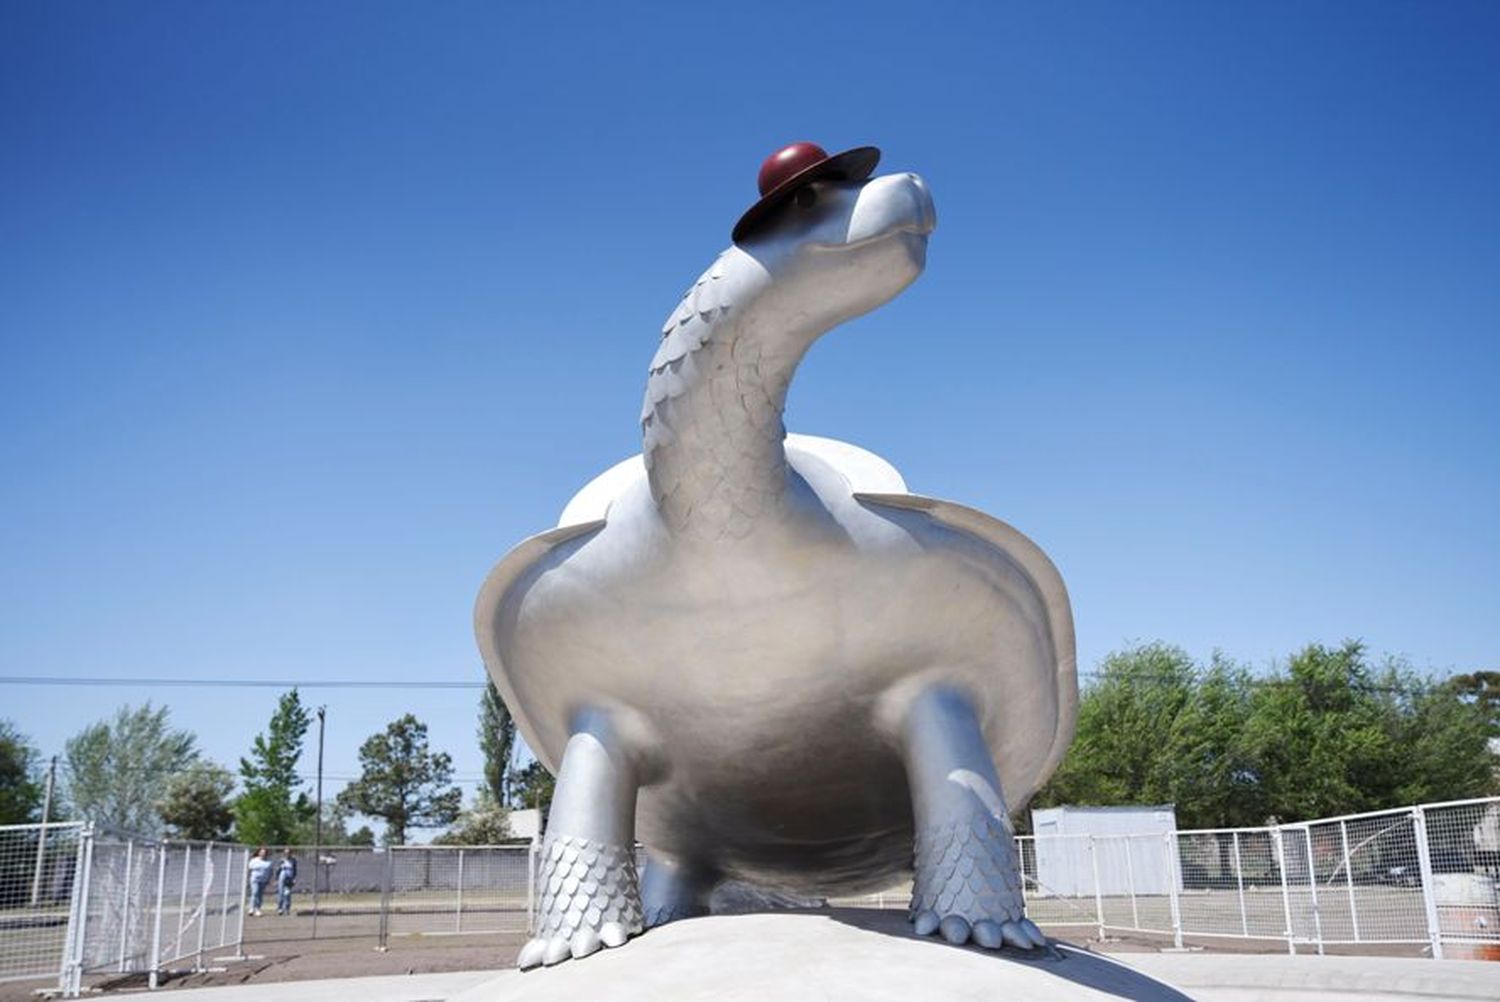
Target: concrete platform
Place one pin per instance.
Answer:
(842, 955)
(857, 955)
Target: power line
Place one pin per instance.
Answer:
(229, 683)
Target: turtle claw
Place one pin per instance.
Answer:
(556, 952)
(954, 929)
(987, 934)
(585, 941)
(926, 923)
(1013, 936)
(531, 954)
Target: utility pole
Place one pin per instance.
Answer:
(318, 830)
(41, 839)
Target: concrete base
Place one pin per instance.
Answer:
(848, 954)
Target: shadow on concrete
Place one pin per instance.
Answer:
(1068, 963)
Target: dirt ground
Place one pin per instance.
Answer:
(293, 959)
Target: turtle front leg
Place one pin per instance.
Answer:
(588, 895)
(968, 878)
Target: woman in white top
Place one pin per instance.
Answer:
(260, 876)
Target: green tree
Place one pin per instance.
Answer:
(195, 803)
(118, 770)
(1207, 769)
(533, 786)
(1482, 689)
(1124, 719)
(402, 782)
(363, 835)
(1322, 736)
(272, 808)
(497, 739)
(20, 792)
(1444, 740)
(485, 823)
(1326, 734)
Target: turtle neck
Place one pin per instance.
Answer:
(712, 434)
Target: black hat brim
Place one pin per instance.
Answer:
(850, 165)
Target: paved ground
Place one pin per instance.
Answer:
(785, 957)
(282, 953)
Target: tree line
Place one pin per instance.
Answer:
(1328, 733)
(137, 773)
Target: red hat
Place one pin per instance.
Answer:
(791, 167)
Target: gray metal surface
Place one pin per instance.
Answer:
(737, 638)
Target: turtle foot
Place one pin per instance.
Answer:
(968, 885)
(589, 899)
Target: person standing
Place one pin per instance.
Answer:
(260, 876)
(286, 879)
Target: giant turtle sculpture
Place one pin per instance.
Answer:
(757, 653)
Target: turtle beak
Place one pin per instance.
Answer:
(928, 221)
(895, 202)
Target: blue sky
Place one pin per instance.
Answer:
(309, 312)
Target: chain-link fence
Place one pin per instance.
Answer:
(354, 892)
(1425, 876)
(39, 870)
(147, 905)
(74, 901)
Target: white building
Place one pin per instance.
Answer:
(1067, 858)
(525, 823)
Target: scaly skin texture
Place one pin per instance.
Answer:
(588, 897)
(968, 883)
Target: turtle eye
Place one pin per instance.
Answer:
(806, 197)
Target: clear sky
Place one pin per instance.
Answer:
(308, 312)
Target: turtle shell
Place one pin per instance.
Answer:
(1020, 668)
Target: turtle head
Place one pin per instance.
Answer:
(837, 249)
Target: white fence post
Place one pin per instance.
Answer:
(531, 885)
(243, 869)
(1239, 881)
(83, 911)
(126, 903)
(458, 917)
(1312, 885)
(187, 859)
(1349, 878)
(1135, 911)
(224, 897)
(1429, 898)
(68, 980)
(1169, 844)
(205, 885)
(1279, 837)
(161, 890)
(1098, 893)
(387, 875)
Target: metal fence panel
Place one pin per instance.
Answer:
(438, 890)
(1463, 841)
(38, 872)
